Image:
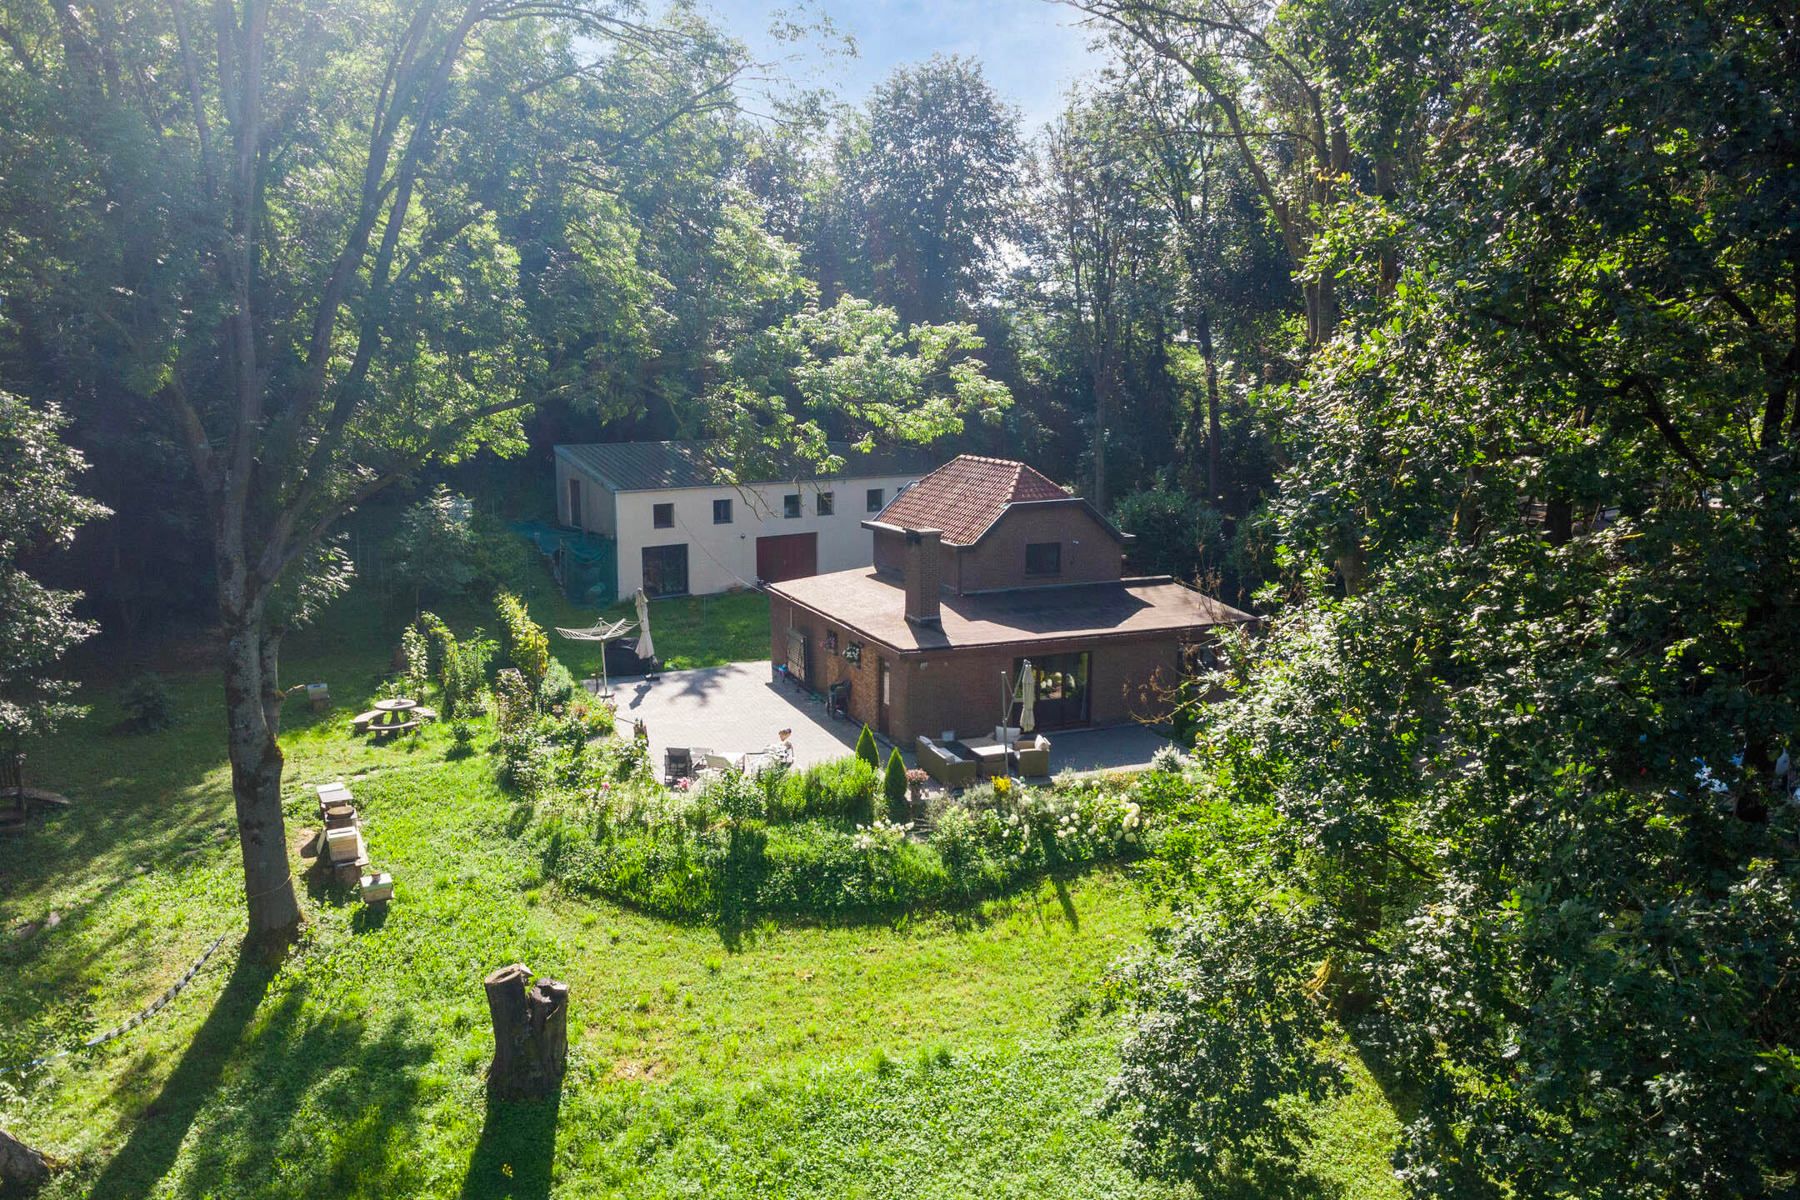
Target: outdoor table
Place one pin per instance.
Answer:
(992, 759)
(394, 716)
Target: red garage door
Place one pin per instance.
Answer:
(788, 556)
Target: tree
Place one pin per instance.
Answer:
(930, 170)
(865, 749)
(850, 370)
(39, 509)
(435, 548)
(893, 785)
(1231, 270)
(321, 300)
(1276, 107)
(1106, 247)
(1515, 741)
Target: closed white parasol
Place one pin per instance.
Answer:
(1027, 698)
(646, 649)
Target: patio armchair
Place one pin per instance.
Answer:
(1034, 758)
(946, 765)
(678, 764)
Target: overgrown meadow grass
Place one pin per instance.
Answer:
(913, 1059)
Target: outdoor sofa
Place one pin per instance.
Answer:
(945, 765)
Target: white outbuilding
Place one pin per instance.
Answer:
(680, 529)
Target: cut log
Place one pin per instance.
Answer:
(20, 1164)
(531, 1033)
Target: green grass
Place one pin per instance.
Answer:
(704, 631)
(919, 1060)
(689, 631)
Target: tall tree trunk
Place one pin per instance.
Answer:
(1214, 483)
(1102, 410)
(252, 711)
(20, 1164)
(1388, 261)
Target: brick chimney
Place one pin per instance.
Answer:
(924, 569)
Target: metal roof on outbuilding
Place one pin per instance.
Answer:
(656, 466)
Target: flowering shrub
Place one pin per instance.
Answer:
(880, 836)
(804, 842)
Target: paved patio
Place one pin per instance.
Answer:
(740, 707)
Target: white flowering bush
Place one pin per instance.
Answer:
(737, 845)
(880, 835)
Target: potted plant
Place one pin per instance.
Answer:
(915, 787)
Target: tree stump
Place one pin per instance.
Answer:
(19, 1163)
(531, 1033)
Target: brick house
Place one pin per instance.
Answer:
(980, 565)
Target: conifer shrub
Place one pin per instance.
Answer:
(865, 749)
(894, 787)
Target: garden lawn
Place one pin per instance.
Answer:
(924, 1059)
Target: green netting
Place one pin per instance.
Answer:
(586, 564)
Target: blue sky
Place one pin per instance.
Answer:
(1031, 50)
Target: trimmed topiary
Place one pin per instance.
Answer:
(865, 749)
(893, 786)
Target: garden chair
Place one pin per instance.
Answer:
(1034, 758)
(678, 764)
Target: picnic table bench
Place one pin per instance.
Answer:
(392, 717)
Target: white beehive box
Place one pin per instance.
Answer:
(343, 845)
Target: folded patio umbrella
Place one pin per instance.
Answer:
(646, 649)
(1026, 695)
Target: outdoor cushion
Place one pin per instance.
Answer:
(945, 765)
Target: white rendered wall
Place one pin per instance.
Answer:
(722, 557)
(597, 515)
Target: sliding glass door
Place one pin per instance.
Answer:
(1062, 690)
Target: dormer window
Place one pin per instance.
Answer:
(1043, 558)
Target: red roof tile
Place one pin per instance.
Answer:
(967, 495)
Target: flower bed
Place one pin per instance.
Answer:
(792, 843)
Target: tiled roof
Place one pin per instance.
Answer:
(875, 607)
(967, 495)
(653, 466)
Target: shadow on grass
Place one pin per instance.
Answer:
(265, 1087)
(516, 1155)
(156, 1140)
(1068, 903)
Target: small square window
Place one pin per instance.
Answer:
(790, 506)
(877, 500)
(1043, 558)
(663, 516)
(827, 503)
(722, 512)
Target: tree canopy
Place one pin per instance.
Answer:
(40, 509)
(1462, 341)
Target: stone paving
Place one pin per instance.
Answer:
(740, 707)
